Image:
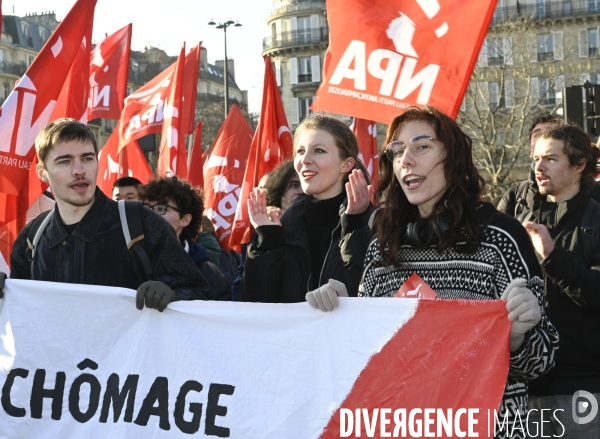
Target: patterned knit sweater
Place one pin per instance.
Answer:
(505, 253)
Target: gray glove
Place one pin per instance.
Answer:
(2, 279)
(155, 294)
(523, 311)
(325, 297)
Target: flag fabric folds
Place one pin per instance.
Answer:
(129, 162)
(172, 155)
(224, 173)
(366, 134)
(109, 70)
(196, 169)
(271, 144)
(145, 109)
(37, 99)
(400, 53)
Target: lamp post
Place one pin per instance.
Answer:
(224, 26)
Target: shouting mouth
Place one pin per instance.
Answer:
(80, 186)
(413, 181)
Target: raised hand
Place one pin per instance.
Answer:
(358, 193)
(257, 210)
(540, 238)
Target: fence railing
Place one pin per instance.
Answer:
(292, 38)
(13, 68)
(549, 9)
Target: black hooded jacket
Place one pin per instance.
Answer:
(95, 253)
(279, 266)
(572, 290)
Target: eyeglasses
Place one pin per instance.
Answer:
(418, 145)
(161, 209)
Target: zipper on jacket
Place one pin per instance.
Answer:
(327, 255)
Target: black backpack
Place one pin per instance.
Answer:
(130, 213)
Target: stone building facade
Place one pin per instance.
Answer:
(297, 45)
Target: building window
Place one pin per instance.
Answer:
(546, 92)
(26, 34)
(304, 104)
(43, 34)
(545, 47)
(6, 91)
(304, 30)
(304, 71)
(593, 5)
(494, 94)
(495, 52)
(593, 42)
(594, 78)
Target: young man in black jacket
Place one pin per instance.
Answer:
(565, 167)
(84, 241)
(179, 204)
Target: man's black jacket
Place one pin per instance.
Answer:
(572, 289)
(96, 253)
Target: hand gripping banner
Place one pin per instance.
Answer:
(81, 361)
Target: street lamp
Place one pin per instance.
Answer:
(224, 26)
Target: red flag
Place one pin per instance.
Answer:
(190, 90)
(366, 133)
(399, 53)
(130, 163)
(145, 108)
(271, 144)
(31, 105)
(195, 170)
(172, 158)
(224, 173)
(109, 70)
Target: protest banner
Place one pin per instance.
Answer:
(80, 361)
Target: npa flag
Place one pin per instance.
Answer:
(31, 105)
(366, 134)
(196, 169)
(145, 108)
(129, 162)
(400, 53)
(272, 143)
(224, 173)
(172, 154)
(109, 70)
(417, 367)
(190, 90)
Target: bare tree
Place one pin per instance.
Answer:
(519, 76)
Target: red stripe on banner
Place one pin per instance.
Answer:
(420, 369)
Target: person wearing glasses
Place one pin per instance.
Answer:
(435, 225)
(315, 250)
(82, 241)
(179, 204)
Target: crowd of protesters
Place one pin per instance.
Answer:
(322, 232)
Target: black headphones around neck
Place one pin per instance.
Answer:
(426, 231)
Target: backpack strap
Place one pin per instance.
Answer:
(38, 225)
(521, 198)
(130, 213)
(590, 232)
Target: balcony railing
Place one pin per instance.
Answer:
(285, 6)
(549, 9)
(296, 37)
(13, 68)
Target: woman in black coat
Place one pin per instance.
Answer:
(315, 251)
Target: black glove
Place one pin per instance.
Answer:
(156, 295)
(2, 279)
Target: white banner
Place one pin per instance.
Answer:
(81, 361)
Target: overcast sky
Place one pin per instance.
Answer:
(168, 23)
